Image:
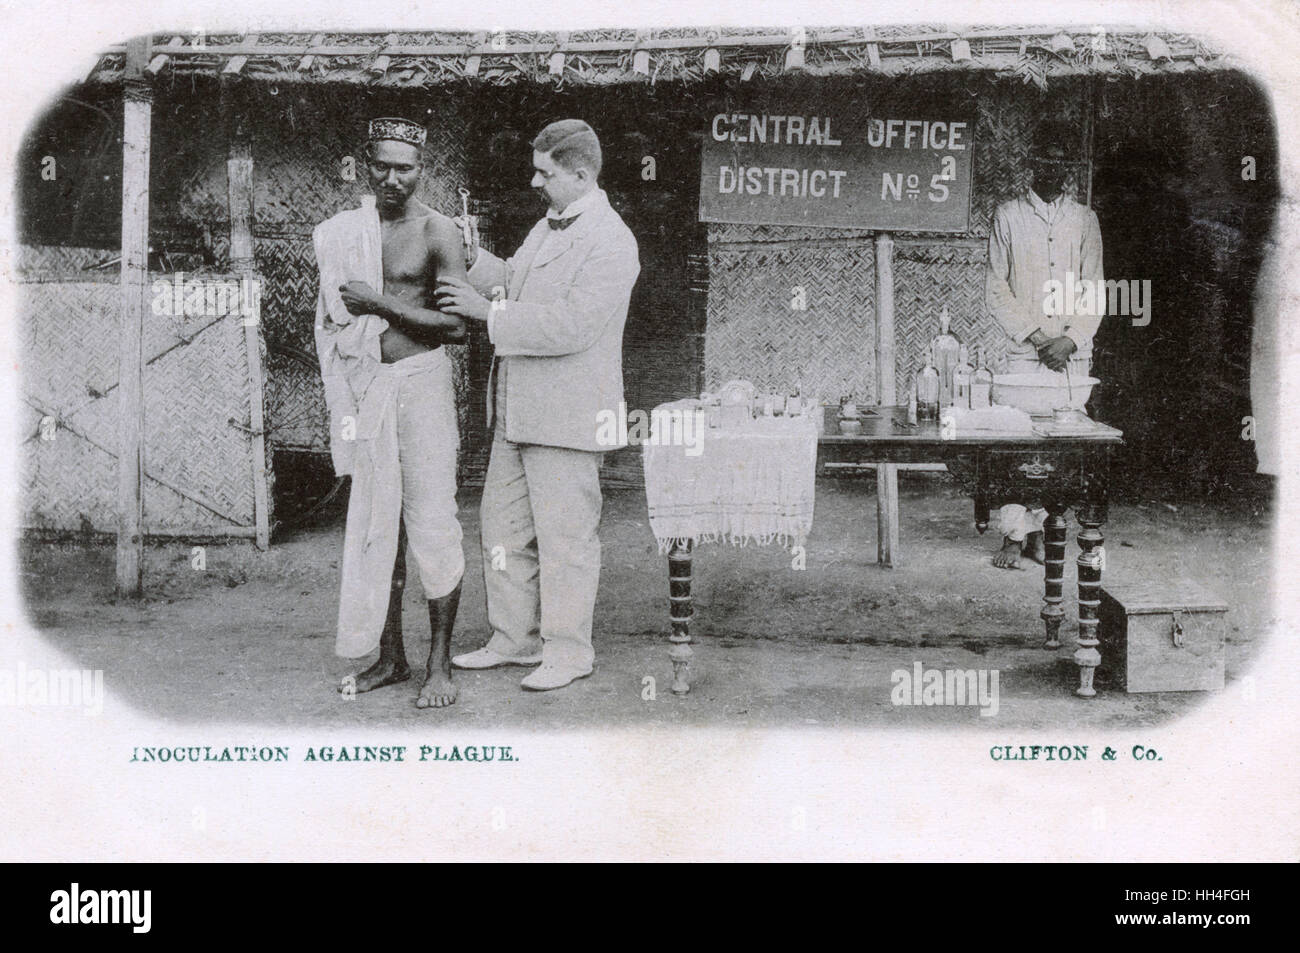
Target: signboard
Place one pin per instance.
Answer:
(830, 167)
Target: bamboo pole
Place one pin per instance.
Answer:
(239, 195)
(886, 371)
(137, 108)
(886, 395)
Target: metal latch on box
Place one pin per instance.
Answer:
(1178, 629)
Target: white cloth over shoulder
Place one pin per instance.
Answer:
(348, 247)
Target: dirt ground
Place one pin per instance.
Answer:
(250, 638)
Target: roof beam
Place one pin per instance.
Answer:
(160, 60)
(477, 47)
(305, 62)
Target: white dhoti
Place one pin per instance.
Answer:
(404, 466)
(1016, 521)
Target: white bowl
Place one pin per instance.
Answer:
(1041, 393)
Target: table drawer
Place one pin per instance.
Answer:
(1010, 470)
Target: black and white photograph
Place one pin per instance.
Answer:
(676, 432)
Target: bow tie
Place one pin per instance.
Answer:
(559, 224)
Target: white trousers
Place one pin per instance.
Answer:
(541, 552)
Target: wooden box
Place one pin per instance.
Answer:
(1162, 637)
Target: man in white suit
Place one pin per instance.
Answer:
(556, 321)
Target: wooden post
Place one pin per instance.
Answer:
(886, 369)
(886, 395)
(886, 514)
(137, 105)
(1089, 135)
(239, 182)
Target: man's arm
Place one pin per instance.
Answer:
(1084, 324)
(425, 324)
(1009, 311)
(600, 288)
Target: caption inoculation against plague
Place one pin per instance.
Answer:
(203, 754)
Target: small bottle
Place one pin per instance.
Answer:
(945, 356)
(911, 401)
(981, 386)
(928, 390)
(961, 380)
(794, 402)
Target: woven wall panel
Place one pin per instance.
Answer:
(288, 268)
(753, 333)
(295, 401)
(926, 278)
(198, 466)
(298, 145)
(57, 260)
(730, 232)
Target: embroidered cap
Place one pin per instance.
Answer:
(399, 130)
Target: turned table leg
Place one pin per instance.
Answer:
(981, 512)
(680, 614)
(1089, 562)
(1053, 572)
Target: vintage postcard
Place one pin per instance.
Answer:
(668, 432)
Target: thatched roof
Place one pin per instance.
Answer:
(397, 60)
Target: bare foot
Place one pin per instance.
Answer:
(383, 672)
(1008, 557)
(439, 691)
(1034, 548)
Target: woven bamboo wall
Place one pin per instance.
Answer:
(198, 449)
(754, 333)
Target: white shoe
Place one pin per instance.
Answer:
(551, 676)
(490, 658)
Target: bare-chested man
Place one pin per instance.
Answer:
(393, 416)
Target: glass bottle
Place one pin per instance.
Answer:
(945, 356)
(961, 380)
(981, 387)
(911, 401)
(928, 389)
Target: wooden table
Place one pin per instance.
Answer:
(1060, 473)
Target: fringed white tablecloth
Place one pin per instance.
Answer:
(751, 482)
